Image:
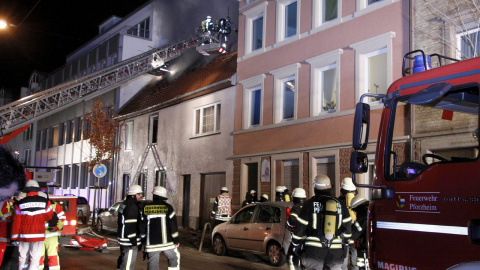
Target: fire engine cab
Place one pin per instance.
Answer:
(425, 201)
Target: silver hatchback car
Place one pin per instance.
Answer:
(256, 228)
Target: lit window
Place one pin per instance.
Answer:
(252, 101)
(207, 119)
(287, 19)
(129, 135)
(468, 44)
(285, 95)
(254, 28)
(373, 65)
(142, 29)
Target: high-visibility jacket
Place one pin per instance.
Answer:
(222, 207)
(128, 223)
(61, 220)
(6, 213)
(161, 225)
(30, 216)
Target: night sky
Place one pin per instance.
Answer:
(48, 30)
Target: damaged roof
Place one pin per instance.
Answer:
(210, 78)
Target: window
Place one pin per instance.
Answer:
(267, 214)
(153, 129)
(28, 133)
(252, 101)
(244, 215)
(26, 157)
(129, 135)
(161, 178)
(254, 28)
(38, 141)
(75, 170)
(85, 129)
(125, 184)
(325, 12)
(142, 29)
(468, 44)
(66, 177)
(83, 176)
(325, 82)
(61, 133)
(369, 2)
(285, 93)
(207, 119)
(373, 65)
(70, 131)
(142, 181)
(329, 10)
(287, 19)
(78, 129)
(372, 4)
(54, 136)
(44, 139)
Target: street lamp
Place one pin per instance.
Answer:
(4, 24)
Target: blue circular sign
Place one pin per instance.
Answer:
(99, 170)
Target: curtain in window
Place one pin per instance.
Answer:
(330, 10)
(208, 119)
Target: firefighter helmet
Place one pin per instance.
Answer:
(279, 189)
(357, 200)
(347, 184)
(253, 191)
(299, 193)
(265, 196)
(322, 182)
(160, 191)
(134, 189)
(32, 183)
(224, 189)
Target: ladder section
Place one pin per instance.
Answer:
(42, 104)
(144, 157)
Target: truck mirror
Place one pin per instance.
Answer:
(358, 162)
(361, 126)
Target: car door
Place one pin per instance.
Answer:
(265, 225)
(110, 217)
(237, 228)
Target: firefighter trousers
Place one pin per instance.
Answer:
(51, 250)
(316, 258)
(293, 260)
(173, 257)
(29, 254)
(129, 257)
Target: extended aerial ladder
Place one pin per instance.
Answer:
(32, 108)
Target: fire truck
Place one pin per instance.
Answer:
(425, 183)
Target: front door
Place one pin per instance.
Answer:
(211, 185)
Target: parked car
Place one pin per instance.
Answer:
(256, 228)
(107, 219)
(83, 210)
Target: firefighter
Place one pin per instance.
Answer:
(222, 207)
(347, 191)
(28, 226)
(264, 198)
(162, 231)
(52, 233)
(320, 229)
(286, 194)
(359, 232)
(250, 198)
(12, 178)
(129, 228)
(299, 197)
(279, 197)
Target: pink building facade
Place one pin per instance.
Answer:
(302, 66)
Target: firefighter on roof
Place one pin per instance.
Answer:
(162, 231)
(320, 229)
(222, 207)
(28, 226)
(53, 230)
(299, 197)
(129, 228)
(348, 190)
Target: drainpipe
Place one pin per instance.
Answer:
(411, 46)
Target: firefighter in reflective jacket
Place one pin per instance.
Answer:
(28, 227)
(359, 232)
(321, 230)
(162, 231)
(129, 229)
(53, 230)
(347, 191)
(6, 213)
(299, 197)
(222, 207)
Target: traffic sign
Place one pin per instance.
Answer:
(99, 170)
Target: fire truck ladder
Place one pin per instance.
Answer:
(144, 157)
(42, 104)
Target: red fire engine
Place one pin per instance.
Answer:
(425, 207)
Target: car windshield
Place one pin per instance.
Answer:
(82, 200)
(114, 207)
(267, 214)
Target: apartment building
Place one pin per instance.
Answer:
(302, 66)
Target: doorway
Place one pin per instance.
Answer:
(211, 185)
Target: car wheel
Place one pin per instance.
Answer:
(80, 216)
(219, 246)
(99, 225)
(85, 220)
(276, 257)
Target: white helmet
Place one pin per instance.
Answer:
(224, 189)
(265, 196)
(347, 184)
(299, 193)
(253, 191)
(160, 191)
(322, 182)
(32, 183)
(357, 200)
(279, 189)
(134, 189)
(284, 188)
